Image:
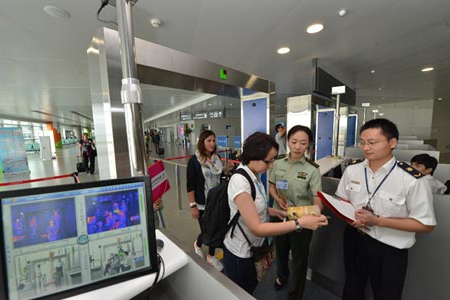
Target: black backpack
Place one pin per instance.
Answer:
(215, 218)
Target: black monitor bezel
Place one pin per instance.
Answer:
(4, 292)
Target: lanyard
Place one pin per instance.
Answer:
(262, 194)
(371, 195)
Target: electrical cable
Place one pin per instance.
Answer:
(161, 266)
(103, 4)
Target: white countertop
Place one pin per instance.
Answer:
(174, 259)
(328, 163)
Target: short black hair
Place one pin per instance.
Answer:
(388, 128)
(427, 160)
(278, 126)
(257, 146)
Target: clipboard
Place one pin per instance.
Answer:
(341, 208)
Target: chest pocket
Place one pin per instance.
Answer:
(353, 187)
(391, 204)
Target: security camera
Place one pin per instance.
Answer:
(156, 23)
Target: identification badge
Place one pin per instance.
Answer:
(282, 185)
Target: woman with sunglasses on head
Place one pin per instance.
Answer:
(203, 172)
(258, 156)
(294, 181)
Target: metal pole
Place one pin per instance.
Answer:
(336, 140)
(131, 93)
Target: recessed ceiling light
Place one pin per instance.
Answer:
(283, 50)
(372, 71)
(375, 110)
(155, 22)
(314, 28)
(342, 12)
(427, 69)
(381, 114)
(439, 99)
(57, 12)
(380, 89)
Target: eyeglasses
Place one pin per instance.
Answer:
(268, 162)
(369, 143)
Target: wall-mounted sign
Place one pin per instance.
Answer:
(222, 141)
(199, 116)
(237, 141)
(185, 117)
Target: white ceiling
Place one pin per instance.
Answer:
(43, 61)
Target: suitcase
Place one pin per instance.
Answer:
(161, 151)
(80, 165)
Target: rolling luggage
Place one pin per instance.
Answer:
(80, 167)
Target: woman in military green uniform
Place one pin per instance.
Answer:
(294, 181)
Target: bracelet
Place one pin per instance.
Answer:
(192, 204)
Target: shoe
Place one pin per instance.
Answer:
(213, 261)
(198, 250)
(277, 284)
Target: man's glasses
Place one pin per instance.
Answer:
(369, 143)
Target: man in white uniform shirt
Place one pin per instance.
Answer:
(392, 203)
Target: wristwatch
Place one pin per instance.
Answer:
(192, 204)
(298, 228)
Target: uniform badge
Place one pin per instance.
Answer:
(302, 175)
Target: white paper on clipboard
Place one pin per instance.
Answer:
(342, 208)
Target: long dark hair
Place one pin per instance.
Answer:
(201, 142)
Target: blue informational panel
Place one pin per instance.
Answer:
(325, 123)
(237, 141)
(222, 141)
(351, 131)
(254, 116)
(13, 157)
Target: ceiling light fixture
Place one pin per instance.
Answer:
(439, 99)
(283, 50)
(372, 71)
(427, 69)
(314, 28)
(342, 12)
(57, 12)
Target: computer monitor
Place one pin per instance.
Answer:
(59, 241)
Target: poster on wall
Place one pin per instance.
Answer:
(13, 157)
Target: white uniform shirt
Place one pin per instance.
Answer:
(437, 187)
(400, 196)
(238, 184)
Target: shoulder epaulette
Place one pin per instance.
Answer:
(408, 169)
(281, 156)
(312, 162)
(354, 161)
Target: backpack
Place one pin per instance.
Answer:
(215, 218)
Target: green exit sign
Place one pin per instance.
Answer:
(223, 74)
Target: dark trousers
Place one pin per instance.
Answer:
(241, 270)
(298, 244)
(89, 163)
(211, 250)
(366, 258)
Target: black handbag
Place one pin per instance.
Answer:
(259, 252)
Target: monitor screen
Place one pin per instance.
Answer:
(60, 241)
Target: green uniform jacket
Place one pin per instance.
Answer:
(303, 180)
